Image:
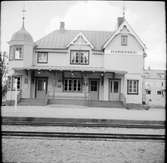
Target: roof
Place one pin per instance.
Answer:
(22, 35)
(60, 39)
(71, 68)
(154, 74)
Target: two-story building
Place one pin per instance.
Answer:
(78, 65)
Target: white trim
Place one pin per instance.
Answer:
(131, 31)
(85, 39)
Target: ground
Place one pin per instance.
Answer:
(82, 151)
(67, 111)
(65, 150)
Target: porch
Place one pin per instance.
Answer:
(95, 87)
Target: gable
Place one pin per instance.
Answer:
(132, 46)
(125, 28)
(80, 39)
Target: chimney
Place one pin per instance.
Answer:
(62, 24)
(120, 20)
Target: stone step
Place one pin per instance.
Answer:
(90, 103)
(112, 104)
(33, 102)
(67, 101)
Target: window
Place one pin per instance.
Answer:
(79, 57)
(42, 57)
(115, 86)
(159, 92)
(124, 40)
(132, 86)
(72, 85)
(16, 52)
(148, 92)
(93, 85)
(18, 82)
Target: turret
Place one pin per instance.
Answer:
(21, 47)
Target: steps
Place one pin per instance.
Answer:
(82, 102)
(90, 103)
(68, 102)
(110, 104)
(32, 102)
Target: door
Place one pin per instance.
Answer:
(41, 87)
(93, 89)
(114, 90)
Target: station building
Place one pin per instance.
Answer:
(78, 65)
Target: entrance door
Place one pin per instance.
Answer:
(94, 89)
(41, 87)
(114, 90)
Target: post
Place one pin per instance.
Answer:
(15, 93)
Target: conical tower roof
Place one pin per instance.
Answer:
(22, 35)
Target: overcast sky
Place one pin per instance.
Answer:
(42, 17)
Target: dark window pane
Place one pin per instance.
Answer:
(111, 86)
(79, 85)
(75, 85)
(159, 92)
(70, 85)
(93, 85)
(115, 86)
(40, 85)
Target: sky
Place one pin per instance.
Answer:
(42, 17)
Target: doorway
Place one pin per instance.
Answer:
(114, 90)
(94, 89)
(41, 87)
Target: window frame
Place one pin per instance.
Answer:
(12, 51)
(148, 92)
(124, 43)
(12, 86)
(132, 92)
(72, 85)
(79, 57)
(42, 61)
(159, 92)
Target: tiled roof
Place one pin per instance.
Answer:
(60, 39)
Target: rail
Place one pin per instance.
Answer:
(83, 135)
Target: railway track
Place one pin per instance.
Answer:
(32, 121)
(82, 135)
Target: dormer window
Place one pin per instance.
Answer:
(124, 40)
(42, 57)
(16, 52)
(79, 57)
